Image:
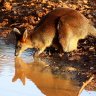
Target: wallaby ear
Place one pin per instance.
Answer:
(14, 78)
(25, 35)
(16, 31)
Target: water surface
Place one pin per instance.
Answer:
(28, 77)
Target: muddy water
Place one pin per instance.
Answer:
(28, 77)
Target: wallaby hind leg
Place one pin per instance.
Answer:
(73, 43)
(66, 37)
(69, 43)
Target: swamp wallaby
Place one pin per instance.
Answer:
(68, 24)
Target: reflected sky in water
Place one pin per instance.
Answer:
(8, 88)
(16, 88)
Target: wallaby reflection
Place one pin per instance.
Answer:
(42, 76)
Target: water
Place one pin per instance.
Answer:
(28, 77)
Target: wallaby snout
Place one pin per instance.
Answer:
(17, 51)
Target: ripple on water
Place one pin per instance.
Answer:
(6, 59)
(7, 54)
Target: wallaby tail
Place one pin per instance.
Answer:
(92, 30)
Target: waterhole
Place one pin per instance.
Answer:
(24, 76)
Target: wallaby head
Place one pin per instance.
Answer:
(22, 41)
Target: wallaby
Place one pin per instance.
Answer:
(68, 24)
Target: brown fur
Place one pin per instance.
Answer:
(67, 24)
